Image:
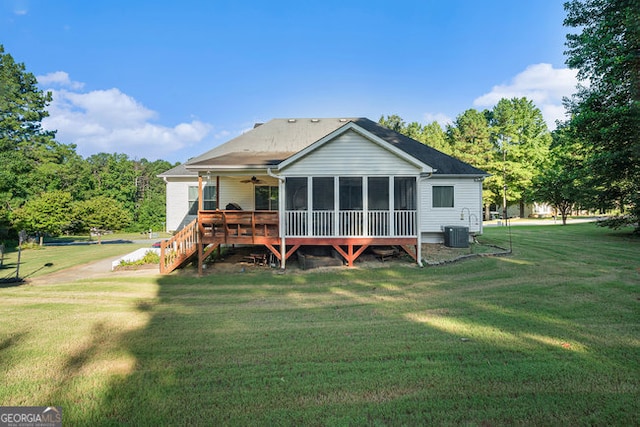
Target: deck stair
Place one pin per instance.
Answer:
(179, 249)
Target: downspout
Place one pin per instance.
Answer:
(481, 221)
(166, 181)
(423, 177)
(281, 217)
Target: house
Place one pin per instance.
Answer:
(346, 183)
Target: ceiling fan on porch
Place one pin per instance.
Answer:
(252, 180)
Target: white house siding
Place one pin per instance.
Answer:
(350, 154)
(232, 190)
(178, 202)
(466, 192)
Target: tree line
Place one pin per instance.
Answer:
(46, 187)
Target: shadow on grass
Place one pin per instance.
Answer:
(88, 242)
(483, 342)
(10, 282)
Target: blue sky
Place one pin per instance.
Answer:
(170, 80)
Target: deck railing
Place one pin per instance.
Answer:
(378, 223)
(175, 251)
(238, 226)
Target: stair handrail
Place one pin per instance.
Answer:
(179, 248)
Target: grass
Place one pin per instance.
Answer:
(37, 261)
(547, 336)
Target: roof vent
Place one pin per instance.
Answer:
(315, 120)
(292, 120)
(343, 120)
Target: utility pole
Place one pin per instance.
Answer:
(504, 181)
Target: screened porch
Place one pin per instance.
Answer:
(350, 207)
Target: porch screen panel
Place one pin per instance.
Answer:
(296, 189)
(351, 207)
(405, 201)
(350, 193)
(405, 194)
(323, 214)
(296, 206)
(378, 203)
(323, 191)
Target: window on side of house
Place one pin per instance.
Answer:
(266, 197)
(442, 196)
(209, 198)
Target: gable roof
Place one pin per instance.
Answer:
(353, 126)
(442, 163)
(281, 137)
(272, 143)
(179, 171)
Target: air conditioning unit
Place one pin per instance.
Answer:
(456, 236)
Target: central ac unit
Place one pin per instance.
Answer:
(456, 236)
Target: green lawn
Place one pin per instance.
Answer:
(37, 261)
(547, 336)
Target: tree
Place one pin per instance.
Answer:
(561, 184)
(114, 176)
(151, 214)
(470, 141)
(393, 122)
(151, 194)
(606, 112)
(101, 214)
(50, 213)
(433, 136)
(22, 139)
(520, 135)
(430, 134)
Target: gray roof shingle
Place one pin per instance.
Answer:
(272, 142)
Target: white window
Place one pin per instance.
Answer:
(442, 196)
(209, 198)
(266, 198)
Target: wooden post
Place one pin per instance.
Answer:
(217, 192)
(200, 194)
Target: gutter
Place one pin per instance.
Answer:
(423, 176)
(281, 201)
(273, 175)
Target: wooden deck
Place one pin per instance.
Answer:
(225, 227)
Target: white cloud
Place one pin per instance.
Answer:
(542, 84)
(20, 7)
(112, 121)
(60, 79)
(441, 118)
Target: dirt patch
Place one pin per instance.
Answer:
(240, 259)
